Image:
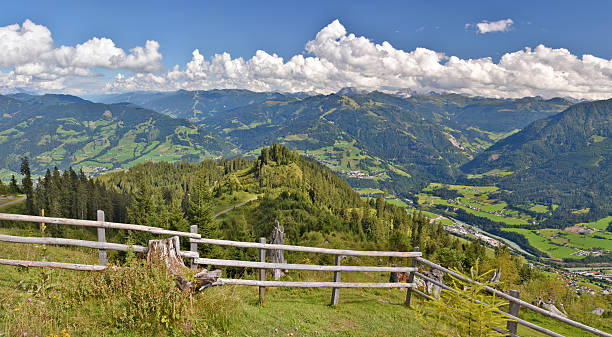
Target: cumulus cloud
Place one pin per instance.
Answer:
(34, 61)
(334, 59)
(484, 27)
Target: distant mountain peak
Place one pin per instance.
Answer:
(352, 91)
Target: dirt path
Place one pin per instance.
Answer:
(20, 198)
(238, 205)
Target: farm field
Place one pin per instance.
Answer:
(562, 244)
(347, 157)
(481, 201)
(600, 224)
(545, 244)
(476, 200)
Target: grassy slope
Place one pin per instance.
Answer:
(228, 311)
(303, 312)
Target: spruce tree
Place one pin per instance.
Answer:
(27, 186)
(201, 214)
(141, 211)
(13, 187)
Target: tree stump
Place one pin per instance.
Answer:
(276, 255)
(394, 276)
(168, 252)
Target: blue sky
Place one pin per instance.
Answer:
(240, 28)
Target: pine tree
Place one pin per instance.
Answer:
(13, 187)
(140, 212)
(27, 186)
(201, 214)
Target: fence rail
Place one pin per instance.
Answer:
(304, 248)
(262, 265)
(288, 266)
(97, 224)
(45, 264)
(82, 243)
(258, 283)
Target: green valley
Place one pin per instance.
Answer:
(99, 138)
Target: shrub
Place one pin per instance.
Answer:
(468, 310)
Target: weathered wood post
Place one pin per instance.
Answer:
(102, 259)
(336, 291)
(513, 309)
(42, 226)
(262, 271)
(411, 279)
(277, 255)
(193, 246)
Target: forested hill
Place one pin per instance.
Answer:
(403, 141)
(9, 106)
(48, 99)
(193, 105)
(488, 114)
(52, 130)
(314, 205)
(565, 159)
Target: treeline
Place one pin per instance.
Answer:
(313, 204)
(69, 195)
(11, 188)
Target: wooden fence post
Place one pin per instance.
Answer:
(336, 291)
(102, 259)
(513, 309)
(193, 246)
(262, 271)
(411, 279)
(42, 226)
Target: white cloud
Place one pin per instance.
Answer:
(332, 60)
(337, 59)
(494, 26)
(34, 61)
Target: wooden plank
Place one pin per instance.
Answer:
(102, 258)
(60, 265)
(436, 282)
(80, 243)
(70, 242)
(262, 271)
(304, 249)
(336, 291)
(420, 293)
(188, 254)
(288, 266)
(257, 283)
(90, 223)
(519, 301)
(513, 309)
(411, 280)
(193, 247)
(531, 325)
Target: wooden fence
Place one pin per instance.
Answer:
(262, 265)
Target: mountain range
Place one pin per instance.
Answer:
(398, 142)
(63, 130)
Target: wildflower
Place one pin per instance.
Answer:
(29, 299)
(17, 309)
